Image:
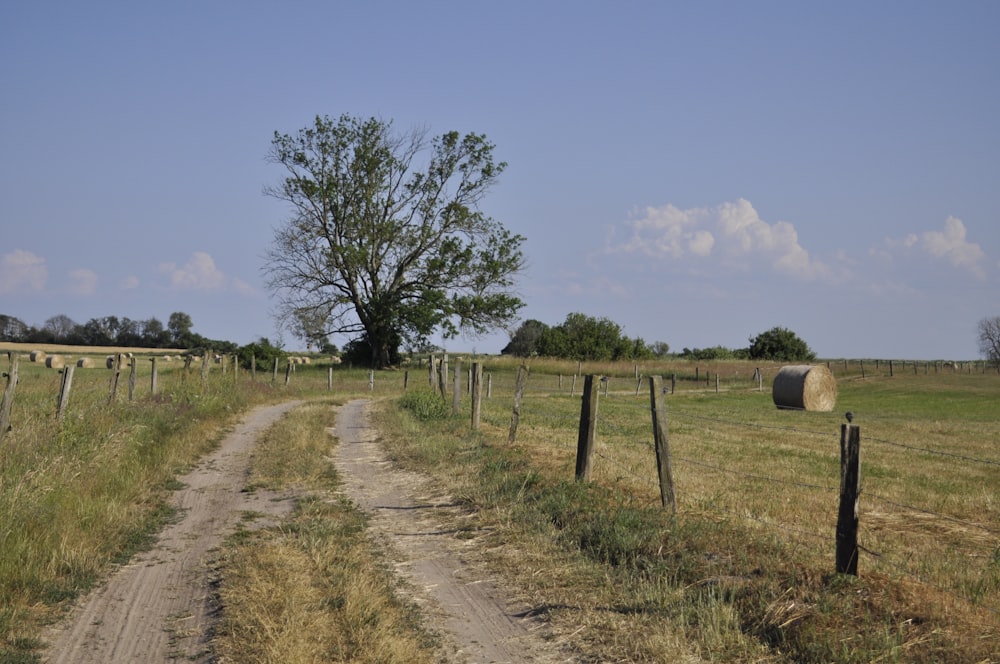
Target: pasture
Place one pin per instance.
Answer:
(743, 571)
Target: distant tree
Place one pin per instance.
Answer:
(582, 337)
(706, 354)
(382, 247)
(989, 339)
(262, 352)
(524, 340)
(780, 344)
(12, 329)
(179, 325)
(101, 331)
(660, 348)
(154, 335)
(62, 327)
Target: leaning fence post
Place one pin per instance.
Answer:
(8, 394)
(588, 427)
(64, 386)
(661, 443)
(522, 377)
(847, 515)
(476, 394)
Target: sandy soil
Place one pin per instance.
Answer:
(158, 607)
(418, 525)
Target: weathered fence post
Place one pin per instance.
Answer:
(862, 369)
(8, 393)
(522, 377)
(116, 371)
(847, 515)
(476, 394)
(456, 390)
(661, 443)
(489, 385)
(288, 373)
(131, 378)
(673, 383)
(153, 376)
(406, 379)
(572, 391)
(329, 379)
(588, 427)
(64, 387)
(431, 367)
(253, 368)
(371, 380)
(444, 376)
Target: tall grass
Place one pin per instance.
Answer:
(745, 569)
(315, 589)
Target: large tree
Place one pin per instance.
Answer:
(780, 344)
(989, 339)
(386, 241)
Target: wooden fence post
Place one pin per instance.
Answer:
(8, 394)
(489, 385)
(661, 443)
(64, 386)
(116, 371)
(153, 376)
(444, 376)
(588, 428)
(206, 358)
(522, 377)
(288, 373)
(131, 378)
(371, 380)
(847, 515)
(456, 390)
(476, 394)
(673, 383)
(329, 379)
(406, 379)
(430, 373)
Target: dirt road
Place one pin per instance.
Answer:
(157, 608)
(411, 518)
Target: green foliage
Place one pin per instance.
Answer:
(425, 405)
(262, 352)
(524, 341)
(780, 344)
(382, 248)
(582, 337)
(714, 353)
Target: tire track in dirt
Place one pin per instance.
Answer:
(157, 608)
(469, 610)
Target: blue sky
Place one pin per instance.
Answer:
(697, 172)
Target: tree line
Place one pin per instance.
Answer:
(582, 337)
(112, 331)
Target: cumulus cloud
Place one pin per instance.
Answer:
(732, 231)
(948, 244)
(199, 273)
(83, 281)
(22, 272)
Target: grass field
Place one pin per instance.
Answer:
(742, 572)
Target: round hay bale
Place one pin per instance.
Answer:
(37, 356)
(805, 387)
(110, 362)
(55, 362)
(85, 363)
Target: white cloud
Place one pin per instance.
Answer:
(733, 231)
(130, 282)
(22, 271)
(199, 273)
(83, 281)
(949, 244)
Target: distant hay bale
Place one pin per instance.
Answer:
(110, 362)
(37, 356)
(55, 362)
(306, 360)
(805, 387)
(85, 363)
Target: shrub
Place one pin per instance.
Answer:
(425, 405)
